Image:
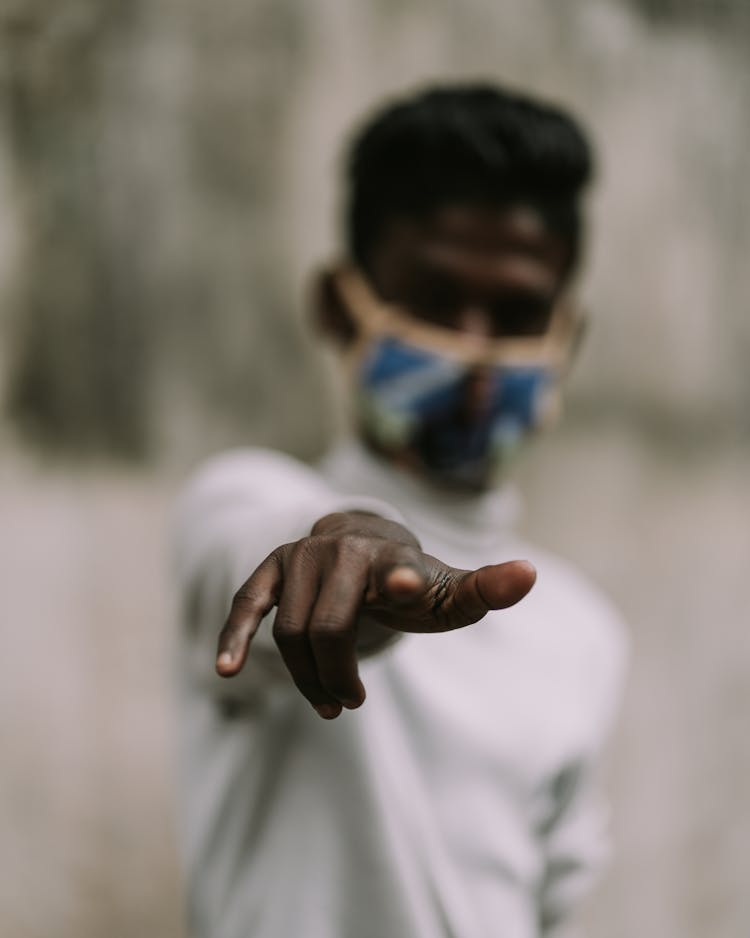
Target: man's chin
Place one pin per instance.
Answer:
(457, 481)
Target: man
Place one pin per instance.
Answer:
(459, 799)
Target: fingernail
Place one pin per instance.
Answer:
(328, 711)
(224, 660)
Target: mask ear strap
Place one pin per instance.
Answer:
(577, 327)
(565, 333)
(361, 303)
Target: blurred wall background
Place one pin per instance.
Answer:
(168, 177)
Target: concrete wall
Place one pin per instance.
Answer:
(168, 174)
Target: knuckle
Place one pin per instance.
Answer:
(352, 545)
(333, 550)
(330, 631)
(352, 555)
(305, 555)
(287, 631)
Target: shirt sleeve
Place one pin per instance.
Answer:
(231, 514)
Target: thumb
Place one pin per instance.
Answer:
(494, 587)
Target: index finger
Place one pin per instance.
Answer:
(252, 601)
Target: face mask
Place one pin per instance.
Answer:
(452, 406)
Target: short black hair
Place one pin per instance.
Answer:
(470, 143)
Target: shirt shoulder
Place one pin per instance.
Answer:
(237, 471)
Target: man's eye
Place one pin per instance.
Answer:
(437, 302)
(520, 317)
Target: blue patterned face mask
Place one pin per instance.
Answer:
(453, 407)
(457, 423)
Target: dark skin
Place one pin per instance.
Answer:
(485, 271)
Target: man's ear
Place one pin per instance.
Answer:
(331, 318)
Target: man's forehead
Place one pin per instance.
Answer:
(485, 226)
(481, 229)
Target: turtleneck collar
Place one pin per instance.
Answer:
(485, 519)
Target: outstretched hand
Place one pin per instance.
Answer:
(356, 567)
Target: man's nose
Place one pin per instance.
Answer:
(474, 319)
(478, 394)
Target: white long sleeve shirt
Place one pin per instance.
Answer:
(459, 801)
